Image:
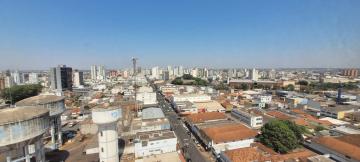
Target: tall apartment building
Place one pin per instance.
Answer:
(61, 78)
(2, 83)
(33, 78)
(98, 72)
(78, 78)
(353, 73)
(254, 75)
(17, 77)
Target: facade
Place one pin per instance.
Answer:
(61, 78)
(185, 108)
(78, 79)
(344, 148)
(155, 143)
(2, 83)
(252, 120)
(254, 75)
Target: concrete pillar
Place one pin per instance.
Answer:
(59, 131)
(27, 156)
(39, 152)
(52, 133)
(8, 158)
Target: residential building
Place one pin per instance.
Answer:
(153, 119)
(17, 77)
(33, 78)
(252, 120)
(254, 75)
(78, 78)
(98, 73)
(61, 78)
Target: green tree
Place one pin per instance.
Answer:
(319, 128)
(244, 86)
(187, 76)
(177, 81)
(303, 82)
(290, 87)
(282, 136)
(19, 92)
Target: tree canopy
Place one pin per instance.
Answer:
(196, 81)
(282, 136)
(19, 92)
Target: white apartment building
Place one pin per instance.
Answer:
(252, 120)
(33, 78)
(98, 72)
(155, 143)
(78, 78)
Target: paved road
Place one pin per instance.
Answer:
(191, 153)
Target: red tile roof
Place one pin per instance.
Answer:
(229, 132)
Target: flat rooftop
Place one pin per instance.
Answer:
(17, 114)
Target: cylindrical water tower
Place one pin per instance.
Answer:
(106, 119)
(21, 131)
(56, 106)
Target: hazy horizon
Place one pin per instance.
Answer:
(38, 35)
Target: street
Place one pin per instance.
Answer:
(188, 146)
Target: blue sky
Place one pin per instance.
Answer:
(209, 33)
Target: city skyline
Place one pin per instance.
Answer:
(271, 34)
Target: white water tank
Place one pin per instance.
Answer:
(106, 118)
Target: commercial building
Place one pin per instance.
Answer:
(148, 98)
(191, 97)
(209, 106)
(185, 108)
(153, 119)
(61, 78)
(343, 148)
(227, 137)
(259, 152)
(155, 143)
(252, 120)
(337, 111)
(21, 133)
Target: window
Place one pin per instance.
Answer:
(102, 149)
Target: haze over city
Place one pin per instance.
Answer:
(264, 34)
